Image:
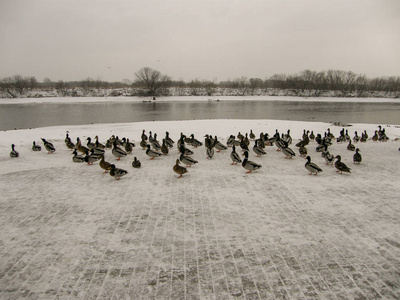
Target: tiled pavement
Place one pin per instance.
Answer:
(216, 233)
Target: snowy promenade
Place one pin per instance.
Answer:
(70, 232)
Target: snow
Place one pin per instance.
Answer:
(70, 231)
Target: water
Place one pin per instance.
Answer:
(51, 114)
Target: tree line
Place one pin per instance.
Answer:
(150, 82)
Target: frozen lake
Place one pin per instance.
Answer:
(32, 115)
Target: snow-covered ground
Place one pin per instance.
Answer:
(70, 231)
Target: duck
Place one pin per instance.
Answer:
(231, 141)
(77, 158)
(341, 166)
(98, 144)
(143, 144)
(117, 151)
(91, 158)
(249, 165)
(280, 143)
(117, 173)
(210, 151)
(36, 147)
(187, 160)
(375, 137)
(90, 144)
(287, 138)
(364, 137)
(14, 153)
(80, 147)
(312, 136)
(243, 145)
(164, 148)
(67, 138)
(184, 150)
(136, 163)
(128, 146)
(144, 136)
(218, 145)
(312, 167)
(240, 136)
(329, 158)
(350, 146)
(151, 153)
(356, 138)
(70, 145)
(304, 142)
(246, 139)
(303, 151)
(234, 156)
(289, 153)
(170, 142)
(105, 165)
(194, 142)
(179, 169)
(258, 150)
(48, 146)
(357, 158)
(252, 135)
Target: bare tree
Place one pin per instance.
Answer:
(152, 80)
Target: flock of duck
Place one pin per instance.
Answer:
(94, 151)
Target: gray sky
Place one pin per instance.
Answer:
(196, 39)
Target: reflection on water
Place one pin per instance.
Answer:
(50, 114)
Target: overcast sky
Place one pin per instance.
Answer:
(196, 39)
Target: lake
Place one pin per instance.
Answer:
(31, 115)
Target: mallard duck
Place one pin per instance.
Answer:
(77, 158)
(356, 138)
(136, 163)
(231, 141)
(240, 136)
(179, 169)
(280, 144)
(329, 158)
(312, 136)
(170, 142)
(184, 150)
(340, 166)
(164, 148)
(117, 173)
(303, 151)
(91, 158)
(258, 150)
(151, 153)
(350, 146)
(155, 144)
(249, 165)
(246, 139)
(48, 146)
(187, 160)
(67, 138)
(357, 158)
(234, 156)
(143, 144)
(128, 146)
(210, 151)
(287, 138)
(13, 153)
(105, 165)
(252, 135)
(364, 137)
(151, 137)
(70, 145)
(289, 153)
(218, 145)
(117, 151)
(312, 167)
(98, 144)
(194, 142)
(36, 147)
(243, 145)
(304, 142)
(90, 144)
(80, 147)
(375, 137)
(144, 136)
